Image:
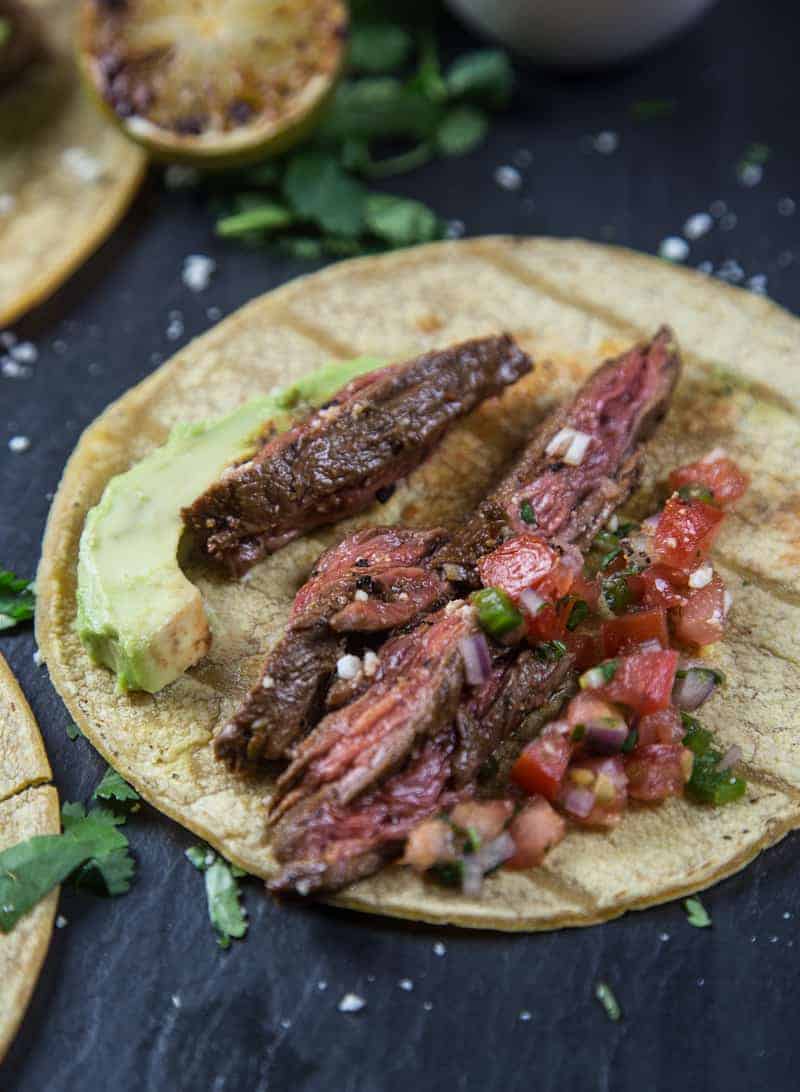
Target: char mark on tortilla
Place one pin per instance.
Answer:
(355, 754)
(376, 430)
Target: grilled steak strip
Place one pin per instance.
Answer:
(618, 406)
(290, 695)
(375, 431)
(341, 762)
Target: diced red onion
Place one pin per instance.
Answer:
(531, 602)
(696, 687)
(477, 659)
(605, 738)
(649, 525)
(577, 800)
(484, 860)
(731, 757)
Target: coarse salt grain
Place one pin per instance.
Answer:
(24, 352)
(674, 249)
(717, 209)
(322, 985)
(37, 657)
(18, 444)
(696, 226)
(731, 271)
(750, 174)
(61, 921)
(406, 984)
(213, 314)
(82, 164)
(729, 221)
(439, 949)
(197, 271)
(11, 369)
(606, 143)
(705, 267)
(176, 1000)
(347, 667)
(758, 284)
(786, 206)
(454, 229)
(351, 1002)
(525, 1016)
(175, 329)
(508, 178)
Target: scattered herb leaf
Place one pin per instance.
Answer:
(485, 77)
(461, 130)
(73, 731)
(696, 913)
(527, 513)
(605, 995)
(30, 869)
(267, 216)
(17, 599)
(114, 787)
(580, 610)
(320, 190)
(222, 893)
(379, 47)
(653, 109)
(399, 220)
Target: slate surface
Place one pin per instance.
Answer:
(135, 993)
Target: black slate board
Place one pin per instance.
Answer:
(135, 993)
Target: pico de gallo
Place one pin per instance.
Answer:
(633, 613)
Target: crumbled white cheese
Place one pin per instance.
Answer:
(82, 164)
(613, 523)
(371, 662)
(607, 142)
(674, 249)
(351, 1002)
(696, 226)
(727, 602)
(197, 271)
(347, 667)
(714, 454)
(560, 442)
(18, 444)
(508, 178)
(267, 683)
(702, 576)
(37, 658)
(361, 596)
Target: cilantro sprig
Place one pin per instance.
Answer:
(17, 599)
(226, 913)
(397, 109)
(696, 913)
(91, 850)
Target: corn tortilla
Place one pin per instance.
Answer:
(53, 139)
(570, 304)
(28, 806)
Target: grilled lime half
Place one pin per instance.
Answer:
(213, 82)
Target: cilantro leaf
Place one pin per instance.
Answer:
(379, 47)
(399, 220)
(266, 216)
(114, 787)
(17, 599)
(605, 995)
(696, 913)
(378, 108)
(222, 893)
(73, 731)
(30, 869)
(756, 154)
(485, 77)
(461, 130)
(319, 190)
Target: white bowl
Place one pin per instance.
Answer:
(580, 33)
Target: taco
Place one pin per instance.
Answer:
(28, 806)
(66, 176)
(569, 305)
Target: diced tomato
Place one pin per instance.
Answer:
(486, 817)
(606, 778)
(586, 707)
(665, 726)
(685, 533)
(660, 586)
(702, 620)
(643, 681)
(550, 621)
(541, 767)
(526, 561)
(430, 842)
(658, 770)
(720, 475)
(583, 587)
(585, 647)
(535, 829)
(629, 630)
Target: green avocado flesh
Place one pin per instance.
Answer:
(137, 612)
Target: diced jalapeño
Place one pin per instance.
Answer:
(497, 614)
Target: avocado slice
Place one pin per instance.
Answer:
(137, 612)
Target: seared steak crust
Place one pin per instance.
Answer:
(375, 431)
(290, 696)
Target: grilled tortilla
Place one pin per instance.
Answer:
(28, 806)
(66, 176)
(569, 304)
